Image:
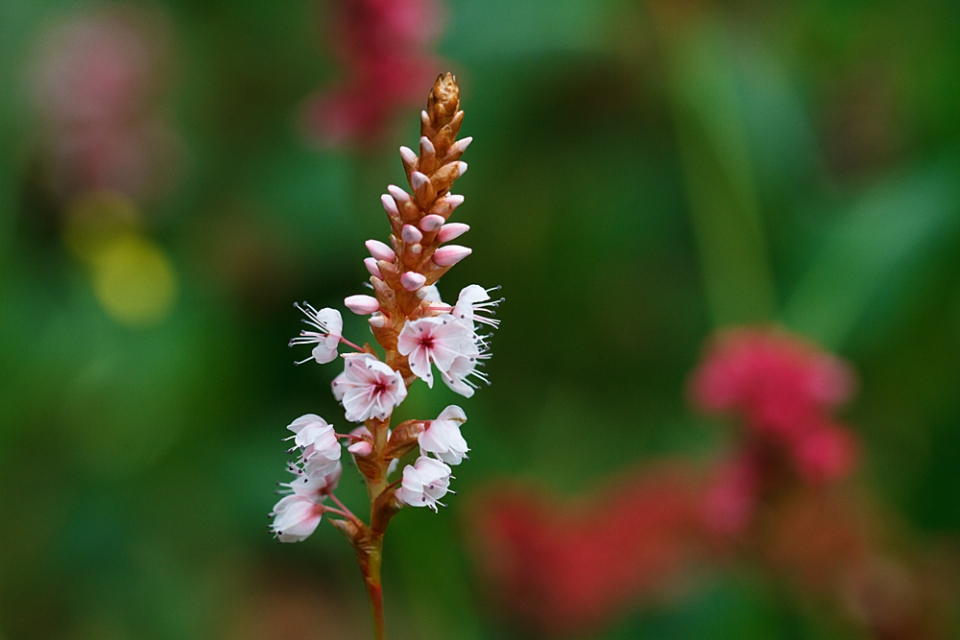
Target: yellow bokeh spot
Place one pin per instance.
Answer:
(94, 220)
(134, 280)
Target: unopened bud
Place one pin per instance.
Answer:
(377, 321)
(398, 194)
(461, 145)
(418, 180)
(380, 251)
(411, 234)
(371, 265)
(361, 448)
(462, 167)
(426, 146)
(408, 156)
(444, 206)
(411, 281)
(390, 205)
(431, 223)
(452, 230)
(362, 305)
(450, 255)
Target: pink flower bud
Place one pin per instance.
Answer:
(461, 145)
(450, 255)
(408, 156)
(390, 205)
(377, 321)
(398, 194)
(362, 305)
(411, 281)
(418, 180)
(462, 167)
(431, 223)
(445, 206)
(371, 265)
(452, 230)
(361, 448)
(426, 146)
(380, 251)
(411, 234)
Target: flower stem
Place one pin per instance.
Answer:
(371, 578)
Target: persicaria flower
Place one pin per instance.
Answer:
(295, 517)
(424, 483)
(473, 299)
(368, 388)
(318, 441)
(439, 340)
(328, 324)
(442, 436)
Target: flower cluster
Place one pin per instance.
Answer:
(96, 83)
(385, 47)
(419, 335)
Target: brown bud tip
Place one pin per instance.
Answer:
(444, 100)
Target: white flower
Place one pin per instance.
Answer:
(295, 517)
(424, 483)
(438, 339)
(318, 441)
(443, 438)
(473, 299)
(457, 377)
(315, 484)
(329, 325)
(368, 388)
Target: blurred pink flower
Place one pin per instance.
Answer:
(384, 47)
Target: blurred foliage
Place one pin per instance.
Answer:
(643, 173)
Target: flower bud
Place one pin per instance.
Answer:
(371, 265)
(411, 234)
(361, 448)
(390, 205)
(452, 230)
(377, 321)
(362, 305)
(445, 206)
(431, 223)
(408, 156)
(380, 251)
(398, 194)
(460, 145)
(450, 255)
(411, 281)
(418, 180)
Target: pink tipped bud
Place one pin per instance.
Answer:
(461, 145)
(418, 180)
(361, 448)
(408, 156)
(431, 223)
(377, 320)
(426, 146)
(444, 206)
(362, 305)
(462, 167)
(411, 234)
(371, 265)
(398, 194)
(450, 255)
(411, 281)
(380, 251)
(452, 230)
(390, 205)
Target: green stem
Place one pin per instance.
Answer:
(371, 578)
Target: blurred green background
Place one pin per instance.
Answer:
(642, 174)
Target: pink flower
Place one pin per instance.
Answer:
(318, 441)
(328, 324)
(368, 388)
(439, 340)
(443, 438)
(828, 453)
(781, 385)
(424, 483)
(295, 517)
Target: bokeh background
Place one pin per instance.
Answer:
(173, 175)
